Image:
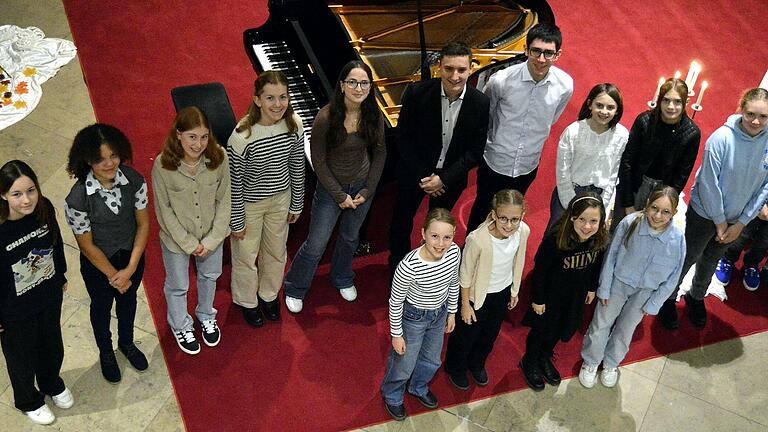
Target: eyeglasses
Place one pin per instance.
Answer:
(665, 213)
(505, 220)
(536, 52)
(352, 84)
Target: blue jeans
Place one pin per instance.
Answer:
(423, 332)
(177, 284)
(325, 213)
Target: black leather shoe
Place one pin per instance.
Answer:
(397, 412)
(429, 400)
(532, 374)
(480, 377)
(668, 315)
(697, 312)
(135, 357)
(272, 309)
(548, 369)
(459, 381)
(109, 369)
(253, 317)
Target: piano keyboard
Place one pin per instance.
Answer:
(277, 56)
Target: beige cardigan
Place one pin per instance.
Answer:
(192, 211)
(475, 270)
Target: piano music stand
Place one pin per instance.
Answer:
(212, 99)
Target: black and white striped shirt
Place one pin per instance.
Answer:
(267, 162)
(424, 284)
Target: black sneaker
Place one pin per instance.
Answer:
(396, 411)
(109, 369)
(135, 357)
(459, 381)
(550, 372)
(253, 316)
(668, 315)
(533, 375)
(211, 332)
(187, 342)
(697, 312)
(480, 377)
(429, 400)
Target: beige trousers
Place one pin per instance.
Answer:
(266, 232)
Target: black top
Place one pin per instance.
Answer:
(31, 267)
(659, 151)
(420, 134)
(561, 280)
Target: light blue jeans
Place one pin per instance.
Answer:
(325, 213)
(423, 331)
(177, 284)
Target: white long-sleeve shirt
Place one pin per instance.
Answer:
(585, 158)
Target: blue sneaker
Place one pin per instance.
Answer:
(751, 278)
(724, 270)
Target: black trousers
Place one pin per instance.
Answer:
(470, 345)
(103, 294)
(539, 345)
(488, 183)
(409, 197)
(34, 350)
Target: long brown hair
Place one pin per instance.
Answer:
(253, 115)
(187, 119)
(565, 234)
(9, 173)
(660, 191)
(370, 117)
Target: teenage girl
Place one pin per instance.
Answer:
(640, 271)
(729, 191)
(32, 283)
(190, 179)
(266, 156)
(662, 148)
(590, 149)
(107, 211)
(348, 155)
(422, 307)
(489, 275)
(565, 277)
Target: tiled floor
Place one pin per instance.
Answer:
(715, 388)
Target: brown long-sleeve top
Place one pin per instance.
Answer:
(349, 162)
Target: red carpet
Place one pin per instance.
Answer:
(320, 370)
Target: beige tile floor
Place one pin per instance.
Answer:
(715, 388)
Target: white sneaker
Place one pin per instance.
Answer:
(293, 304)
(64, 400)
(609, 377)
(588, 375)
(42, 415)
(349, 294)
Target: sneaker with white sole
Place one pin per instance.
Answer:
(294, 304)
(187, 341)
(64, 400)
(724, 270)
(349, 294)
(751, 278)
(609, 376)
(211, 332)
(41, 416)
(588, 375)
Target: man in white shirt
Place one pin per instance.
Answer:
(526, 100)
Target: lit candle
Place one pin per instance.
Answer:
(693, 75)
(764, 82)
(704, 86)
(678, 74)
(658, 87)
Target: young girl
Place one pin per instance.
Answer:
(107, 211)
(32, 281)
(565, 276)
(266, 153)
(425, 293)
(640, 271)
(190, 179)
(590, 149)
(490, 274)
(662, 148)
(729, 191)
(348, 155)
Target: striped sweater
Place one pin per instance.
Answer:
(266, 162)
(424, 284)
